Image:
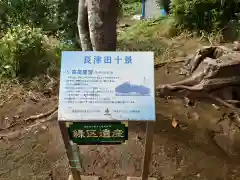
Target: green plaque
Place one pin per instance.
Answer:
(93, 133)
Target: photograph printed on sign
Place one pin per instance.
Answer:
(106, 86)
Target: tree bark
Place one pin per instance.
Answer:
(102, 19)
(83, 28)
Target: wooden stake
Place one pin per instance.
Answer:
(148, 149)
(71, 160)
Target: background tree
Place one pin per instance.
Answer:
(97, 22)
(83, 26)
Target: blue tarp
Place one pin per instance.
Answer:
(162, 12)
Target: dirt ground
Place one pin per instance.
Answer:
(183, 153)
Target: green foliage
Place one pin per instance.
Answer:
(129, 7)
(39, 13)
(130, 1)
(21, 51)
(54, 17)
(164, 4)
(204, 15)
(68, 14)
(26, 52)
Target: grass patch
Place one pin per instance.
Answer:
(160, 36)
(131, 9)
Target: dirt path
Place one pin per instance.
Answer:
(182, 153)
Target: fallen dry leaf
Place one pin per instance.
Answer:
(174, 122)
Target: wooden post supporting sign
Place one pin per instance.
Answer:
(148, 150)
(147, 153)
(73, 156)
(72, 162)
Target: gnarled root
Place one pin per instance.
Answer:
(211, 69)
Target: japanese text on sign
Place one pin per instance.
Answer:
(107, 60)
(98, 133)
(106, 133)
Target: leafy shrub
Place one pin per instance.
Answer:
(26, 52)
(128, 7)
(130, 1)
(131, 9)
(206, 15)
(165, 4)
(40, 13)
(54, 52)
(67, 16)
(52, 16)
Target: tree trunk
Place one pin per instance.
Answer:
(83, 28)
(102, 19)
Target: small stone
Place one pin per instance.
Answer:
(124, 25)
(169, 97)
(195, 116)
(183, 126)
(137, 138)
(86, 177)
(32, 97)
(236, 45)
(216, 107)
(136, 17)
(139, 178)
(16, 117)
(188, 102)
(44, 127)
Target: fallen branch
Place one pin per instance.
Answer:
(158, 65)
(228, 105)
(235, 111)
(42, 115)
(18, 133)
(233, 101)
(35, 117)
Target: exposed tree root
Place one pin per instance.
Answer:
(228, 105)
(211, 69)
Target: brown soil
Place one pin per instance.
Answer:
(182, 153)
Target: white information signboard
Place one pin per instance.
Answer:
(100, 86)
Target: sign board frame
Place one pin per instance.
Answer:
(107, 86)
